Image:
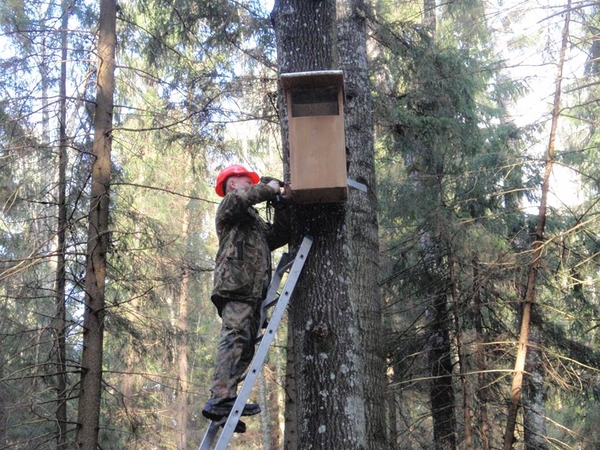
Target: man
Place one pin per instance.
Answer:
(241, 278)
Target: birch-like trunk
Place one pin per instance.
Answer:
(362, 230)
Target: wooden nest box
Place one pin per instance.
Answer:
(315, 106)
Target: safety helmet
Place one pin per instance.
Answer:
(237, 170)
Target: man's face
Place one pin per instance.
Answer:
(238, 182)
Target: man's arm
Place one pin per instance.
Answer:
(234, 206)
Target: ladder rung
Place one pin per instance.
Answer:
(266, 305)
(283, 269)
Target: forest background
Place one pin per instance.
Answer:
(482, 252)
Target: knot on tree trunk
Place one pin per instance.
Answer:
(320, 332)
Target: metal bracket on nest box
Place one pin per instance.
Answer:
(357, 185)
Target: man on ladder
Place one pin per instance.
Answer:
(241, 278)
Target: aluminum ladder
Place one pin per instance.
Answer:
(265, 339)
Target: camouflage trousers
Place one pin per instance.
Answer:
(235, 349)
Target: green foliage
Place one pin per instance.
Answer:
(454, 180)
(455, 175)
(178, 69)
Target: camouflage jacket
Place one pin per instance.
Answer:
(242, 266)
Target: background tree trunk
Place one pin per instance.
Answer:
(534, 390)
(183, 349)
(264, 413)
(537, 247)
(392, 411)
(460, 347)
(429, 14)
(61, 273)
(436, 277)
(98, 234)
(480, 362)
(440, 364)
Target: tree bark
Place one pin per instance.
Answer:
(534, 392)
(183, 348)
(98, 235)
(480, 362)
(60, 283)
(441, 390)
(305, 34)
(462, 357)
(537, 248)
(264, 413)
(392, 410)
(362, 228)
(331, 370)
(290, 432)
(429, 15)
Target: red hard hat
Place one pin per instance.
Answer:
(235, 169)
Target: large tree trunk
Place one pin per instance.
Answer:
(98, 235)
(362, 230)
(306, 41)
(337, 385)
(290, 432)
(537, 247)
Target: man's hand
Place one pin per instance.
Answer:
(274, 184)
(287, 191)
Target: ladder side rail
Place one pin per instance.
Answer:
(273, 288)
(209, 436)
(263, 348)
(277, 275)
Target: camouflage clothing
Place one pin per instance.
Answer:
(235, 348)
(241, 278)
(245, 245)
